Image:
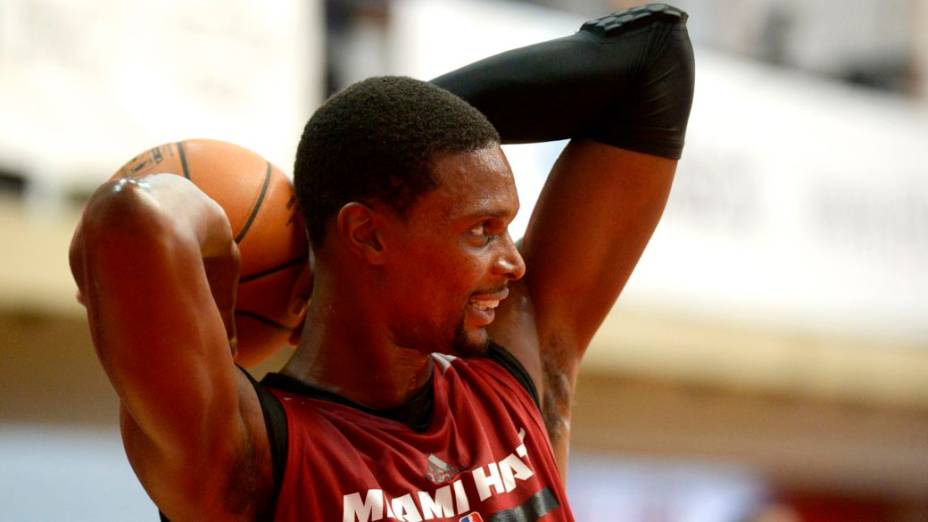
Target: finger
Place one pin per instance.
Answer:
(297, 332)
(302, 289)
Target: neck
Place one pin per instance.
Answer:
(346, 349)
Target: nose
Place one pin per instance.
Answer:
(510, 262)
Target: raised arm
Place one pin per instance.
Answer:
(621, 88)
(155, 262)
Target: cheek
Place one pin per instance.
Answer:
(446, 272)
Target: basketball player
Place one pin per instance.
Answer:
(434, 374)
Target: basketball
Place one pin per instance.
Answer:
(266, 223)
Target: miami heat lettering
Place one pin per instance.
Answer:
(450, 500)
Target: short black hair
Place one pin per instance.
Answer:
(378, 139)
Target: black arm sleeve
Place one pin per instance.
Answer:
(625, 79)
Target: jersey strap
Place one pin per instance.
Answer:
(275, 421)
(508, 361)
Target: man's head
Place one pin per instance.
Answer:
(408, 194)
(377, 141)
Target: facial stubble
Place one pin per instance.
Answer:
(464, 346)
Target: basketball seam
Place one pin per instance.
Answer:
(269, 271)
(257, 207)
(183, 159)
(262, 319)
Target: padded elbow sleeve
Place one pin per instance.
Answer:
(625, 79)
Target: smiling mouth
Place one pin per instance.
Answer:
(490, 299)
(484, 305)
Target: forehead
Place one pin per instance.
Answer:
(472, 183)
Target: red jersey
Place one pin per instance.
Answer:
(482, 456)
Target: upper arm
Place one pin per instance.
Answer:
(594, 217)
(161, 340)
(596, 213)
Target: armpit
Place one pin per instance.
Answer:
(557, 398)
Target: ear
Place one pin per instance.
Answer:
(359, 227)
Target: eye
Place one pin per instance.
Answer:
(483, 232)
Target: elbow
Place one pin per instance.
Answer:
(118, 208)
(108, 205)
(654, 118)
(667, 94)
(120, 221)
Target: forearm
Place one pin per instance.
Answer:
(623, 82)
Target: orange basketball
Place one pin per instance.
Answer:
(266, 223)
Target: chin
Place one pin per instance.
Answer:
(470, 343)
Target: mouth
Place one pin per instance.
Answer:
(482, 307)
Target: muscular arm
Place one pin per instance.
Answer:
(592, 222)
(621, 88)
(152, 259)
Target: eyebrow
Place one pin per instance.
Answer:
(499, 214)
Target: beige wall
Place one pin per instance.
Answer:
(49, 376)
(807, 410)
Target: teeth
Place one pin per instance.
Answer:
(485, 305)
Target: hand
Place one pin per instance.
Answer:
(300, 298)
(76, 259)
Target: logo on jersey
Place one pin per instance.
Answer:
(439, 471)
(450, 499)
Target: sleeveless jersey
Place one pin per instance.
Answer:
(483, 456)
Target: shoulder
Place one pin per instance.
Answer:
(498, 368)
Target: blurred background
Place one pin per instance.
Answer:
(768, 360)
